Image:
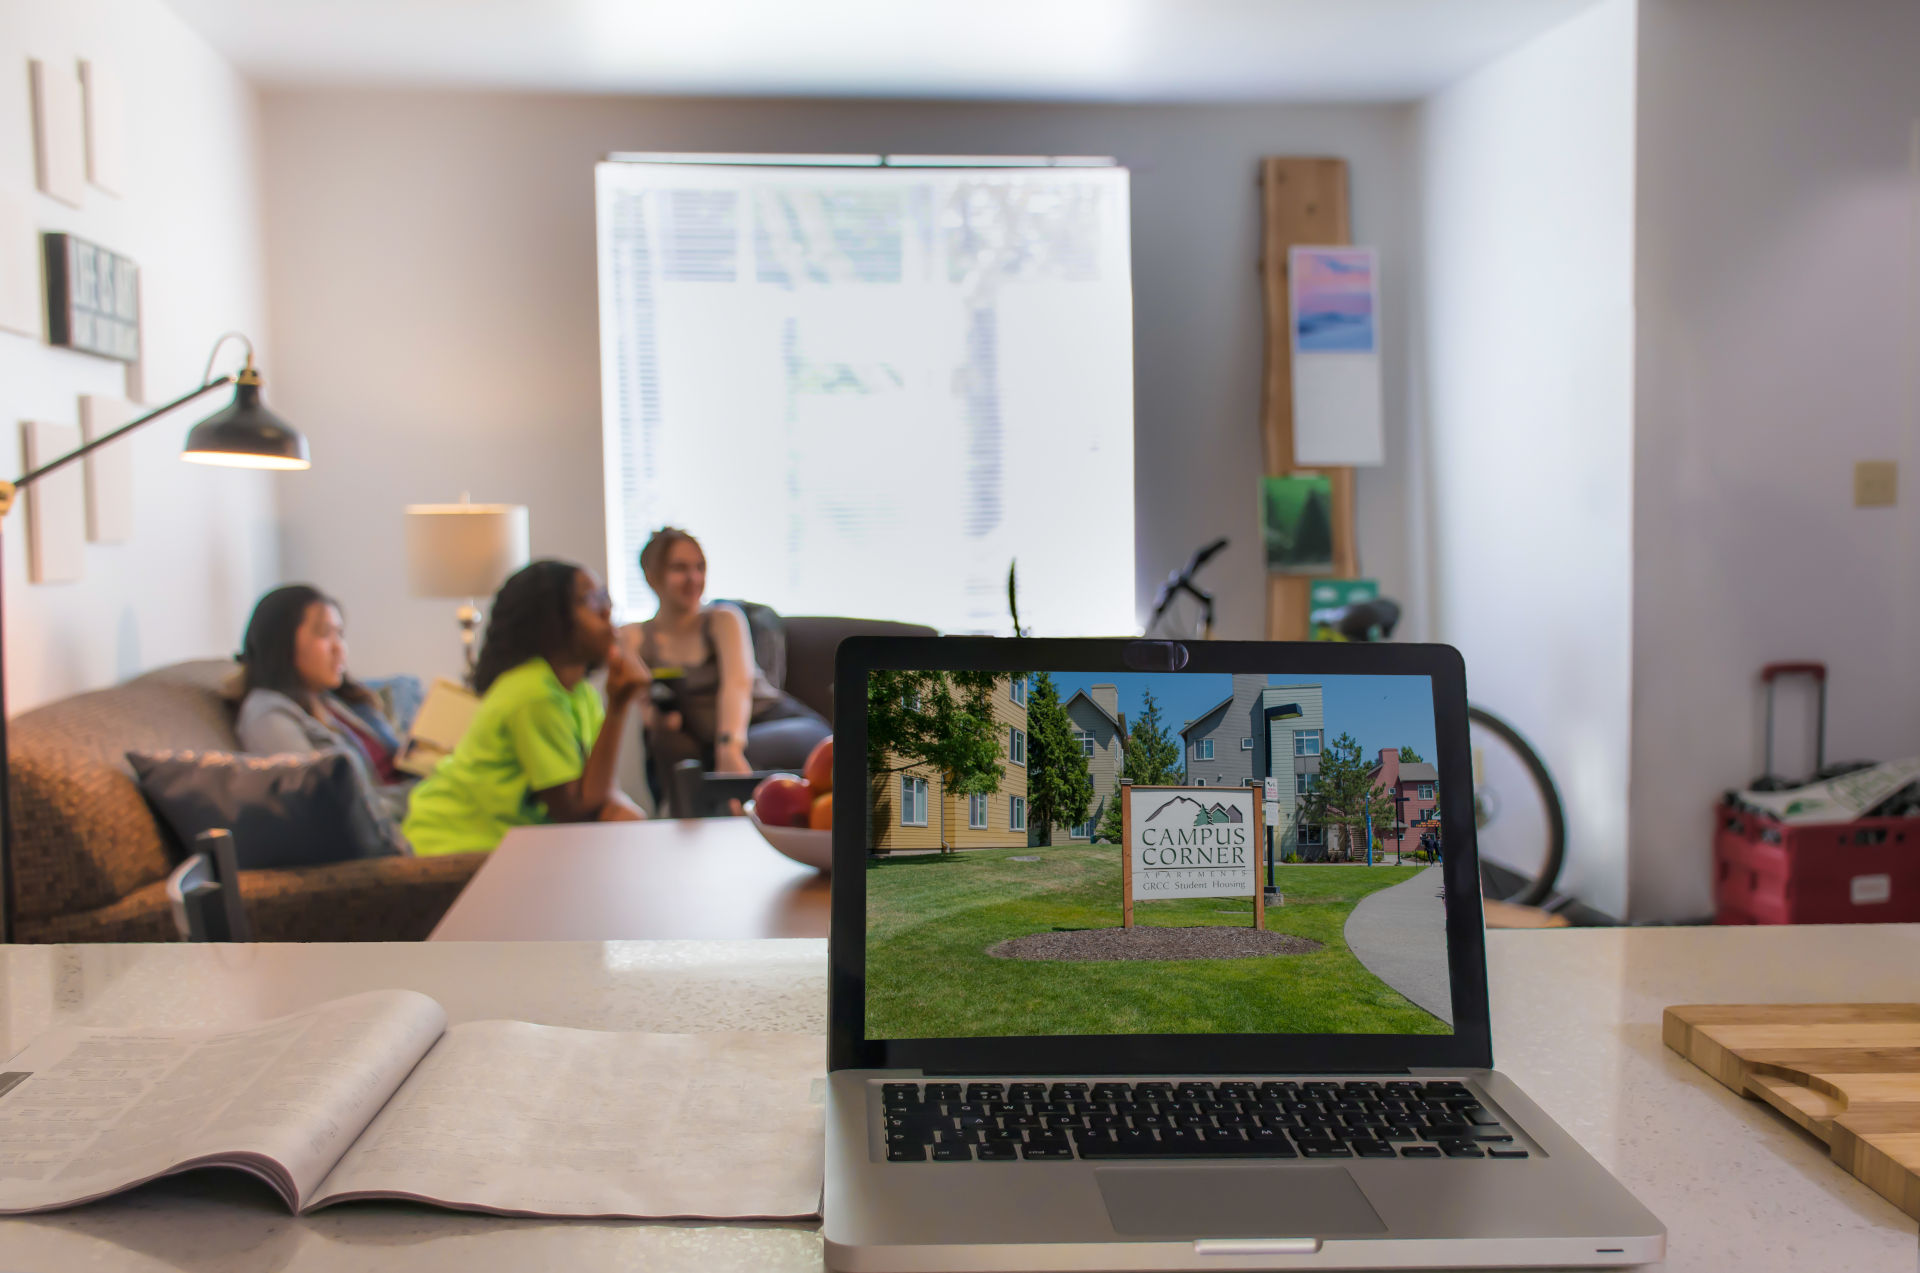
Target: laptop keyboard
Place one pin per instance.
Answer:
(1099, 1120)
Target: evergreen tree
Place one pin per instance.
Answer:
(1110, 828)
(1313, 534)
(1153, 756)
(1408, 756)
(1344, 795)
(1059, 784)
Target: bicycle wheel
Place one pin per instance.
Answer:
(1521, 824)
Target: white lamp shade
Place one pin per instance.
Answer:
(464, 550)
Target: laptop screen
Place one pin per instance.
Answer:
(1074, 853)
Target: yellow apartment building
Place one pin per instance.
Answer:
(911, 809)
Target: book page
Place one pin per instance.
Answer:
(99, 1111)
(520, 1119)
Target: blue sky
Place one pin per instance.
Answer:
(1379, 711)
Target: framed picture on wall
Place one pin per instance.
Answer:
(93, 299)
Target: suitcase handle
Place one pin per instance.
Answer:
(1774, 671)
(1818, 673)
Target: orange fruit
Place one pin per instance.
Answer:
(821, 819)
(818, 771)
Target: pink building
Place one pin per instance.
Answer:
(1414, 789)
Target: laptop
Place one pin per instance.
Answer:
(1221, 1012)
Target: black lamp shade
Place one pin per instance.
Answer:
(247, 435)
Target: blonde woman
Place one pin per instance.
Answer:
(711, 701)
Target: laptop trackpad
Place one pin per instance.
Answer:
(1235, 1200)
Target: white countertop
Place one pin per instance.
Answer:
(1576, 1023)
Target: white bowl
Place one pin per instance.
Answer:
(803, 844)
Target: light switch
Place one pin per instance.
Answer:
(1876, 484)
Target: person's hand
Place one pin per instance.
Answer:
(620, 809)
(627, 676)
(731, 759)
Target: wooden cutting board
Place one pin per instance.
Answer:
(1847, 1072)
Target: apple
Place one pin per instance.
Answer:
(821, 819)
(818, 771)
(783, 801)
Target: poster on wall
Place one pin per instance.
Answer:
(19, 268)
(56, 506)
(1296, 522)
(59, 140)
(1335, 333)
(108, 472)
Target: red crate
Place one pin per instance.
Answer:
(1861, 872)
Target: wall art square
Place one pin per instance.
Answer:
(59, 145)
(56, 506)
(108, 471)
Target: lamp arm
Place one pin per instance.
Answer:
(9, 489)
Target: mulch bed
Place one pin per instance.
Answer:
(1145, 942)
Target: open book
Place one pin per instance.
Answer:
(374, 1097)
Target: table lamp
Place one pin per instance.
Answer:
(464, 551)
(245, 435)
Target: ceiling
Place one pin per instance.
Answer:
(1068, 50)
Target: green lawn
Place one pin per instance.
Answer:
(931, 918)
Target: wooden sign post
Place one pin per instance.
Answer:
(1190, 842)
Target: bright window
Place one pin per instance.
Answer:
(913, 801)
(1306, 742)
(1303, 783)
(1018, 690)
(1017, 813)
(1203, 750)
(977, 813)
(1426, 791)
(1017, 746)
(891, 364)
(1080, 831)
(1246, 744)
(1085, 740)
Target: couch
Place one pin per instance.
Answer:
(811, 642)
(90, 861)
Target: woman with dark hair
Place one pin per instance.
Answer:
(714, 703)
(540, 748)
(298, 696)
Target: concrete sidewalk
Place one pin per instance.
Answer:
(1400, 934)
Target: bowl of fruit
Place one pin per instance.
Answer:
(794, 812)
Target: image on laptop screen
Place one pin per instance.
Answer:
(1270, 867)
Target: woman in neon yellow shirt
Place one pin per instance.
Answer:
(541, 748)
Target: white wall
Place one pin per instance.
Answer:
(1777, 287)
(204, 541)
(1526, 372)
(434, 311)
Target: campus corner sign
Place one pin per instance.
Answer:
(1191, 842)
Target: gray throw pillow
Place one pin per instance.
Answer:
(294, 810)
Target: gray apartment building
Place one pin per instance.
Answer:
(1262, 731)
(1100, 727)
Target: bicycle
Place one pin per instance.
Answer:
(1519, 820)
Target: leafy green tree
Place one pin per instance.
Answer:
(1344, 794)
(1153, 756)
(1059, 784)
(941, 721)
(1408, 756)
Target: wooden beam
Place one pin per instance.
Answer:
(1304, 203)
